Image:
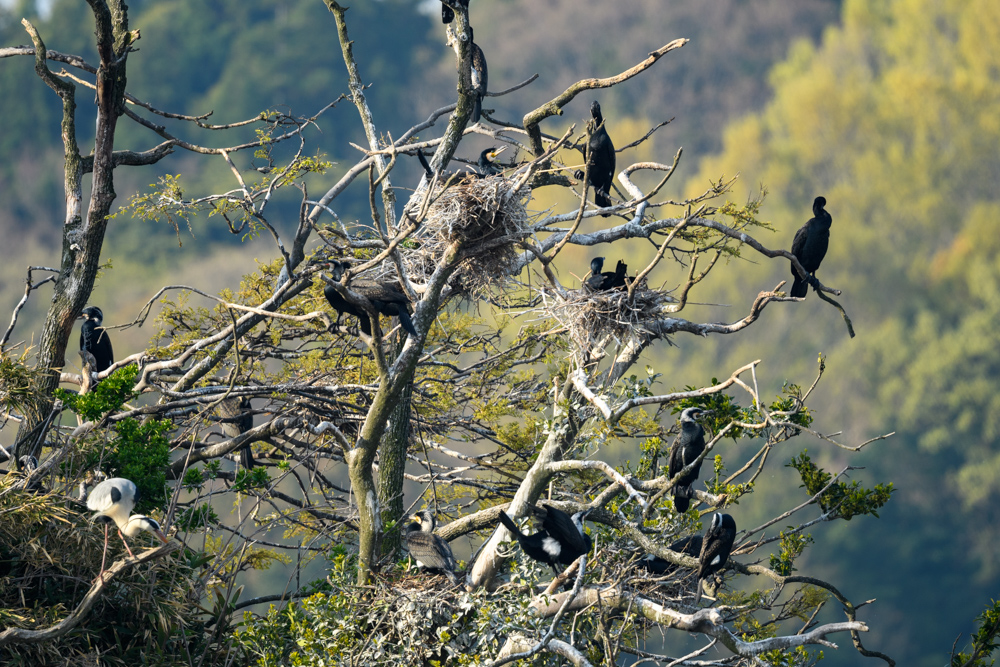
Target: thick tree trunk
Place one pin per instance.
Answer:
(391, 466)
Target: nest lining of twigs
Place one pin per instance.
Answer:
(487, 216)
(592, 316)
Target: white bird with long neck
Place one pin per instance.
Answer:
(113, 500)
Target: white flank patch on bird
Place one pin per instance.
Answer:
(551, 547)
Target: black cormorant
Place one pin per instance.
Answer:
(602, 159)
(430, 551)
(237, 420)
(687, 447)
(447, 13)
(607, 280)
(486, 164)
(480, 77)
(810, 244)
(715, 547)
(94, 338)
(384, 297)
(560, 541)
(689, 546)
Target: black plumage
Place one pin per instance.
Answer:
(94, 338)
(602, 159)
(560, 541)
(486, 165)
(715, 547)
(607, 280)
(430, 551)
(385, 298)
(689, 546)
(237, 420)
(480, 77)
(687, 446)
(810, 244)
(447, 14)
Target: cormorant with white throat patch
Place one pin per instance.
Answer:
(94, 338)
(430, 551)
(687, 446)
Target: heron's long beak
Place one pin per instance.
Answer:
(163, 538)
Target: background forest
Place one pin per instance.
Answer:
(887, 108)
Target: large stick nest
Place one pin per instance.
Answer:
(488, 216)
(592, 316)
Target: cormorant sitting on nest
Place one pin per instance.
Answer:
(715, 548)
(689, 546)
(94, 338)
(430, 551)
(602, 159)
(486, 163)
(598, 282)
(687, 447)
(560, 541)
(238, 420)
(810, 244)
(384, 297)
(480, 76)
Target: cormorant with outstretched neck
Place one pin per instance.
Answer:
(560, 541)
(602, 158)
(715, 548)
(598, 281)
(238, 419)
(485, 166)
(480, 77)
(810, 244)
(687, 447)
(384, 297)
(430, 551)
(94, 338)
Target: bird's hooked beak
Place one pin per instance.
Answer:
(416, 517)
(493, 155)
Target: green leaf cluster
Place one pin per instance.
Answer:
(844, 500)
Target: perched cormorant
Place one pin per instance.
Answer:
(94, 338)
(480, 77)
(607, 280)
(602, 159)
(384, 297)
(687, 447)
(430, 551)
(560, 541)
(810, 244)
(486, 164)
(238, 420)
(689, 546)
(715, 547)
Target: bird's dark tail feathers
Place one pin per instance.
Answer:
(602, 200)
(510, 525)
(447, 14)
(424, 163)
(406, 322)
(799, 288)
(246, 458)
(697, 595)
(477, 110)
(681, 501)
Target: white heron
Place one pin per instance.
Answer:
(113, 500)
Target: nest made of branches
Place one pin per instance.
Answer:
(592, 316)
(487, 216)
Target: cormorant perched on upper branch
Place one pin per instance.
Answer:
(238, 420)
(687, 447)
(810, 244)
(689, 546)
(430, 551)
(94, 338)
(607, 280)
(602, 159)
(384, 297)
(715, 547)
(480, 77)
(560, 541)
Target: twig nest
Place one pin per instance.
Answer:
(487, 216)
(593, 316)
